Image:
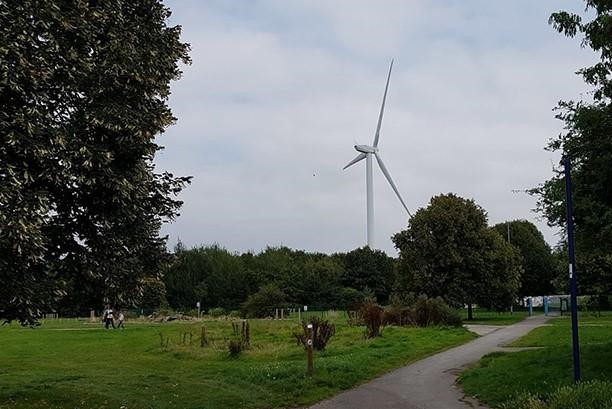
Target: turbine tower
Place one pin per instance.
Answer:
(366, 152)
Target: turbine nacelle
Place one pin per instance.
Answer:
(366, 149)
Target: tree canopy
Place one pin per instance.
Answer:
(448, 250)
(587, 143)
(83, 94)
(539, 265)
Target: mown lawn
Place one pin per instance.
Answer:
(70, 364)
(482, 316)
(500, 376)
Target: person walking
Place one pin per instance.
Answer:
(108, 317)
(120, 318)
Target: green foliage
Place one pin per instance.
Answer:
(365, 268)
(218, 278)
(586, 395)
(153, 294)
(421, 312)
(448, 251)
(216, 312)
(263, 303)
(83, 94)
(211, 275)
(433, 311)
(539, 266)
(586, 141)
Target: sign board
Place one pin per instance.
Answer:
(305, 308)
(198, 304)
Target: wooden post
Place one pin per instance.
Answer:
(282, 313)
(309, 348)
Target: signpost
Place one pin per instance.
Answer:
(572, 268)
(309, 349)
(198, 305)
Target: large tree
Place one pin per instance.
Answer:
(83, 94)
(587, 142)
(539, 265)
(448, 250)
(366, 269)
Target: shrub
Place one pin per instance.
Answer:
(322, 331)
(372, 316)
(216, 312)
(433, 311)
(353, 319)
(234, 347)
(234, 314)
(586, 395)
(263, 303)
(396, 315)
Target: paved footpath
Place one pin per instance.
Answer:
(430, 383)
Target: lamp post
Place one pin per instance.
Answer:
(572, 267)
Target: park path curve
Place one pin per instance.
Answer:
(430, 382)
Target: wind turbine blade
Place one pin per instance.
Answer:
(388, 176)
(382, 108)
(357, 159)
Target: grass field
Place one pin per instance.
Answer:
(73, 364)
(500, 376)
(482, 316)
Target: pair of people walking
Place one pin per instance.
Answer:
(109, 318)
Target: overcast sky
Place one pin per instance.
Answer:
(279, 92)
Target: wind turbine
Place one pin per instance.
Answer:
(366, 152)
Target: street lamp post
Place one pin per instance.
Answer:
(572, 268)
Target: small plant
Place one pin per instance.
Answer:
(203, 338)
(372, 316)
(164, 341)
(216, 312)
(234, 347)
(322, 331)
(353, 319)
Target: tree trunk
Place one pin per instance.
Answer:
(470, 317)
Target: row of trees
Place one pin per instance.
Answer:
(218, 278)
(447, 250)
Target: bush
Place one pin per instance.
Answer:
(234, 347)
(433, 311)
(263, 303)
(322, 331)
(234, 314)
(216, 312)
(396, 315)
(586, 395)
(372, 316)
